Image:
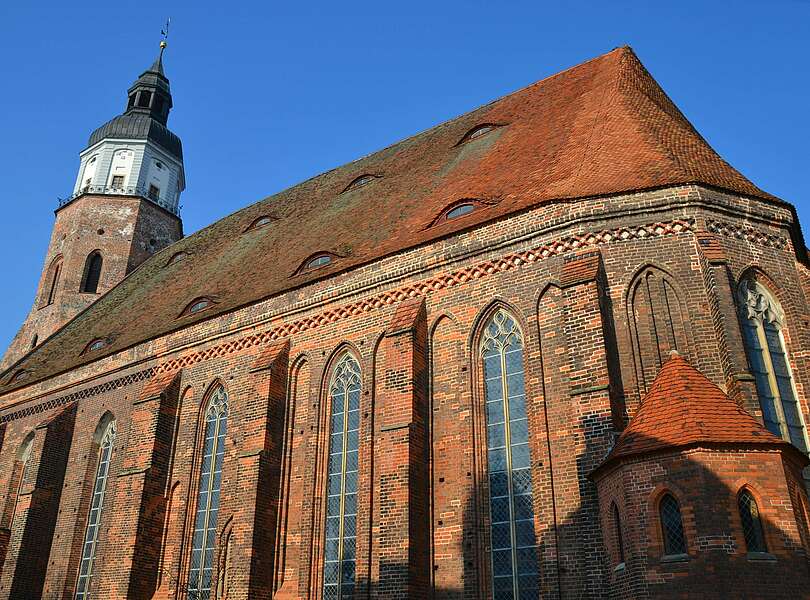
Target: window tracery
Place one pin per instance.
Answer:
(342, 478)
(90, 546)
(203, 542)
(513, 540)
(762, 323)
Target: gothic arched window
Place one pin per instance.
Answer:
(105, 450)
(341, 500)
(751, 522)
(203, 545)
(54, 275)
(762, 321)
(513, 541)
(669, 511)
(92, 272)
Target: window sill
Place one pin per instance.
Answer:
(674, 558)
(761, 556)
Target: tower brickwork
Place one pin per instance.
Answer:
(124, 208)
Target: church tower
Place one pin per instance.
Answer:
(124, 208)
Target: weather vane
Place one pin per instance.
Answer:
(165, 33)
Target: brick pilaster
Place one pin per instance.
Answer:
(254, 524)
(5, 533)
(400, 567)
(591, 358)
(719, 281)
(37, 508)
(140, 493)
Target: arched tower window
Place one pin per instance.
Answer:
(617, 527)
(751, 522)
(513, 540)
(203, 544)
(96, 504)
(54, 275)
(341, 502)
(669, 511)
(762, 321)
(92, 272)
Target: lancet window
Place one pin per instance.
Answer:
(203, 542)
(341, 502)
(90, 546)
(762, 323)
(513, 540)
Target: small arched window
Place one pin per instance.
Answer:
(20, 375)
(96, 344)
(360, 181)
(477, 132)
(341, 485)
(92, 272)
(460, 210)
(177, 257)
(197, 305)
(762, 322)
(260, 222)
(669, 512)
(317, 261)
(54, 275)
(89, 548)
(511, 506)
(751, 522)
(34, 341)
(617, 528)
(203, 544)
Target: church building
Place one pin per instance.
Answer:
(556, 347)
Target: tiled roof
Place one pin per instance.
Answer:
(599, 128)
(681, 408)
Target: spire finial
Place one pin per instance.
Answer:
(158, 65)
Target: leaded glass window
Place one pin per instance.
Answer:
(762, 319)
(513, 540)
(341, 499)
(672, 526)
(94, 518)
(203, 543)
(751, 522)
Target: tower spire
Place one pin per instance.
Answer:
(157, 66)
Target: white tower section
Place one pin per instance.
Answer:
(135, 153)
(133, 168)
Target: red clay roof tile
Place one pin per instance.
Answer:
(681, 408)
(599, 128)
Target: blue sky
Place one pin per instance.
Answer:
(267, 94)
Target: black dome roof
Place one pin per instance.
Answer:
(139, 126)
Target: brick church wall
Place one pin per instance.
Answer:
(570, 274)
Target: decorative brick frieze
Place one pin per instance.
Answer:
(746, 233)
